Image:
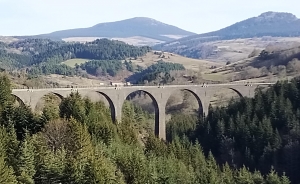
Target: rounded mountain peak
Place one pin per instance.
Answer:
(278, 16)
(145, 20)
(133, 21)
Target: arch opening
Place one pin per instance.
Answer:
(143, 108)
(96, 96)
(51, 100)
(184, 101)
(108, 102)
(184, 109)
(17, 100)
(224, 95)
(237, 92)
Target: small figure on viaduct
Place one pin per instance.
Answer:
(160, 96)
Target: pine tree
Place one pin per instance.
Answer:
(73, 106)
(133, 164)
(257, 178)
(6, 172)
(273, 178)
(198, 162)
(99, 170)
(243, 176)
(291, 159)
(212, 170)
(25, 166)
(5, 92)
(227, 174)
(24, 120)
(154, 146)
(12, 147)
(285, 179)
(78, 151)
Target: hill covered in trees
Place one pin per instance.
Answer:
(43, 56)
(156, 73)
(273, 24)
(103, 58)
(76, 142)
(266, 24)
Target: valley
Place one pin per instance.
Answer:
(53, 131)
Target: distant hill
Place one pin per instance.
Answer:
(274, 24)
(266, 24)
(134, 27)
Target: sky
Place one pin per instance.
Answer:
(31, 17)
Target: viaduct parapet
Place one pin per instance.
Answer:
(159, 94)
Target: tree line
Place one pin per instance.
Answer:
(76, 142)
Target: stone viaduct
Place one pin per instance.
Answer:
(159, 94)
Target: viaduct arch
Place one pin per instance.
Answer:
(111, 106)
(237, 92)
(156, 109)
(199, 101)
(18, 99)
(158, 94)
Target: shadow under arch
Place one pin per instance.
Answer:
(224, 94)
(57, 94)
(237, 92)
(18, 99)
(200, 109)
(43, 98)
(111, 106)
(156, 109)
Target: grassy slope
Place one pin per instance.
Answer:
(151, 58)
(188, 63)
(7, 39)
(72, 62)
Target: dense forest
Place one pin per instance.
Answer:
(158, 72)
(104, 58)
(49, 68)
(43, 56)
(76, 142)
(260, 133)
(98, 67)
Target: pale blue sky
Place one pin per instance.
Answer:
(28, 17)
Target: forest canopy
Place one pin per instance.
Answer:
(36, 53)
(76, 142)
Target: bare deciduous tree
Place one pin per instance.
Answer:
(281, 71)
(55, 134)
(293, 66)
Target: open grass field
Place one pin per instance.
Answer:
(7, 39)
(214, 77)
(189, 63)
(72, 62)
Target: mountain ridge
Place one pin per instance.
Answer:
(275, 24)
(137, 26)
(266, 22)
